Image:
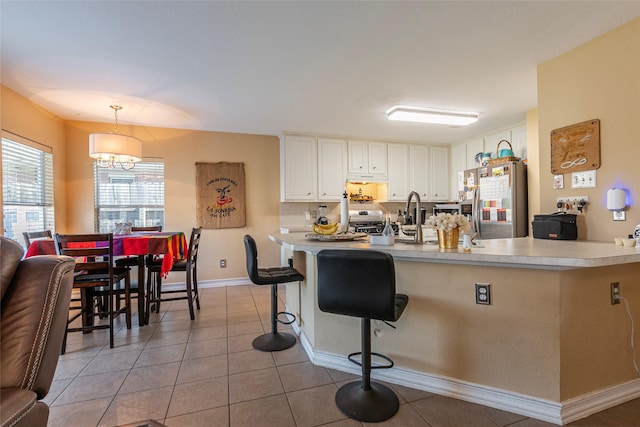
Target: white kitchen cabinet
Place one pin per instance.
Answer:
(519, 141)
(474, 147)
(418, 170)
(439, 173)
(367, 157)
(398, 172)
(332, 168)
(458, 162)
(299, 176)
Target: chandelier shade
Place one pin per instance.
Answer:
(109, 149)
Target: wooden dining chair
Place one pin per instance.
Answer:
(95, 276)
(132, 261)
(35, 235)
(189, 265)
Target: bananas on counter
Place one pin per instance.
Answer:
(326, 229)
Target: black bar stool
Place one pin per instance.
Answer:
(273, 341)
(361, 283)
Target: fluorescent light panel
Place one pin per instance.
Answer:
(430, 115)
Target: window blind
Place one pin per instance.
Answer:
(27, 189)
(135, 196)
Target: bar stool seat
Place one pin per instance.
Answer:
(274, 340)
(361, 283)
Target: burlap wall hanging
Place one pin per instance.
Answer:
(220, 195)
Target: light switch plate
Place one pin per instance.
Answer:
(585, 179)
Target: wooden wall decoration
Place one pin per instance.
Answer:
(576, 147)
(220, 195)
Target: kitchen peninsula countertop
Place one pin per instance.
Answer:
(523, 252)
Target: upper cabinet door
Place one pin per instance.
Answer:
(300, 169)
(332, 169)
(418, 170)
(439, 173)
(378, 158)
(473, 148)
(358, 157)
(398, 161)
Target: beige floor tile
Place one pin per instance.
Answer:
(150, 377)
(109, 362)
(303, 375)
(629, 411)
(217, 319)
(240, 343)
(245, 328)
(208, 333)
(71, 367)
(409, 394)
(133, 407)
(92, 387)
(295, 354)
(202, 368)
(254, 385)
(174, 325)
(250, 360)
(530, 422)
(244, 306)
(205, 348)
(243, 316)
(80, 414)
(344, 423)
(266, 412)
(160, 355)
(57, 387)
(340, 376)
(445, 411)
(315, 406)
(160, 338)
(405, 417)
(198, 396)
(216, 417)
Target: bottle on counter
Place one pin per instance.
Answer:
(400, 218)
(388, 230)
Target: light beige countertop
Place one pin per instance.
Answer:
(523, 252)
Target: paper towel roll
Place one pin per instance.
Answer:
(344, 213)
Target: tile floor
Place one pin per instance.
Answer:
(205, 373)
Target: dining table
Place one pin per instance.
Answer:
(171, 245)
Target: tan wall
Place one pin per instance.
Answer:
(28, 120)
(598, 80)
(180, 150)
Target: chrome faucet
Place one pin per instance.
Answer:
(417, 234)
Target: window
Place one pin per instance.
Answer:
(135, 196)
(27, 187)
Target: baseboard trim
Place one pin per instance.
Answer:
(559, 413)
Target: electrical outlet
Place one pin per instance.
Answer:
(223, 263)
(615, 293)
(483, 293)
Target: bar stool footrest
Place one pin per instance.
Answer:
(285, 322)
(375, 404)
(382, 356)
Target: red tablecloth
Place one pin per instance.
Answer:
(171, 244)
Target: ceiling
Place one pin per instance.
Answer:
(330, 68)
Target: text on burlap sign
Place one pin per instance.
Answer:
(220, 194)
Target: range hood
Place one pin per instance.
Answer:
(367, 178)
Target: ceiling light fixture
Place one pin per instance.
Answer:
(430, 115)
(109, 149)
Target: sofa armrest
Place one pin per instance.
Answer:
(34, 315)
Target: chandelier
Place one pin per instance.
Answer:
(111, 149)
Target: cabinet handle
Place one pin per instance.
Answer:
(324, 194)
(309, 193)
(374, 168)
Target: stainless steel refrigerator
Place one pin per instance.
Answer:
(495, 200)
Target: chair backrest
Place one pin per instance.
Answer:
(194, 243)
(93, 252)
(252, 258)
(34, 235)
(359, 283)
(150, 228)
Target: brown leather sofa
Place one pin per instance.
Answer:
(35, 296)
